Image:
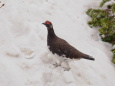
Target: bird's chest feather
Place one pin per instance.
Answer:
(55, 46)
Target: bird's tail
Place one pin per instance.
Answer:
(88, 57)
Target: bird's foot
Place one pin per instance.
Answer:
(66, 66)
(66, 69)
(56, 64)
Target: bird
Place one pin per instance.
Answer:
(61, 47)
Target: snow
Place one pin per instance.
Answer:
(24, 57)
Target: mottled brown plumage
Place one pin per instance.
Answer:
(61, 47)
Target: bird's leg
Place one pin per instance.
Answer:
(65, 65)
(57, 64)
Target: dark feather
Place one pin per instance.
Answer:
(61, 47)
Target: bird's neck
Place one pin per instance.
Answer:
(51, 33)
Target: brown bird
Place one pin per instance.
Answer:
(61, 47)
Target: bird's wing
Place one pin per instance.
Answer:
(64, 48)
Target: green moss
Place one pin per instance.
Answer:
(103, 2)
(105, 20)
(113, 60)
(113, 8)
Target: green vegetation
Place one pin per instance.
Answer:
(105, 20)
(103, 2)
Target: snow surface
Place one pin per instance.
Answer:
(24, 57)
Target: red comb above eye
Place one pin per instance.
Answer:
(47, 22)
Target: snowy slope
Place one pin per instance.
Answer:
(24, 57)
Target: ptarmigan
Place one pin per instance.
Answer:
(62, 47)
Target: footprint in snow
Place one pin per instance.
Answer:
(29, 54)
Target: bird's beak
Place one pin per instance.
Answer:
(43, 23)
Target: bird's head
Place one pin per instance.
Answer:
(48, 24)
